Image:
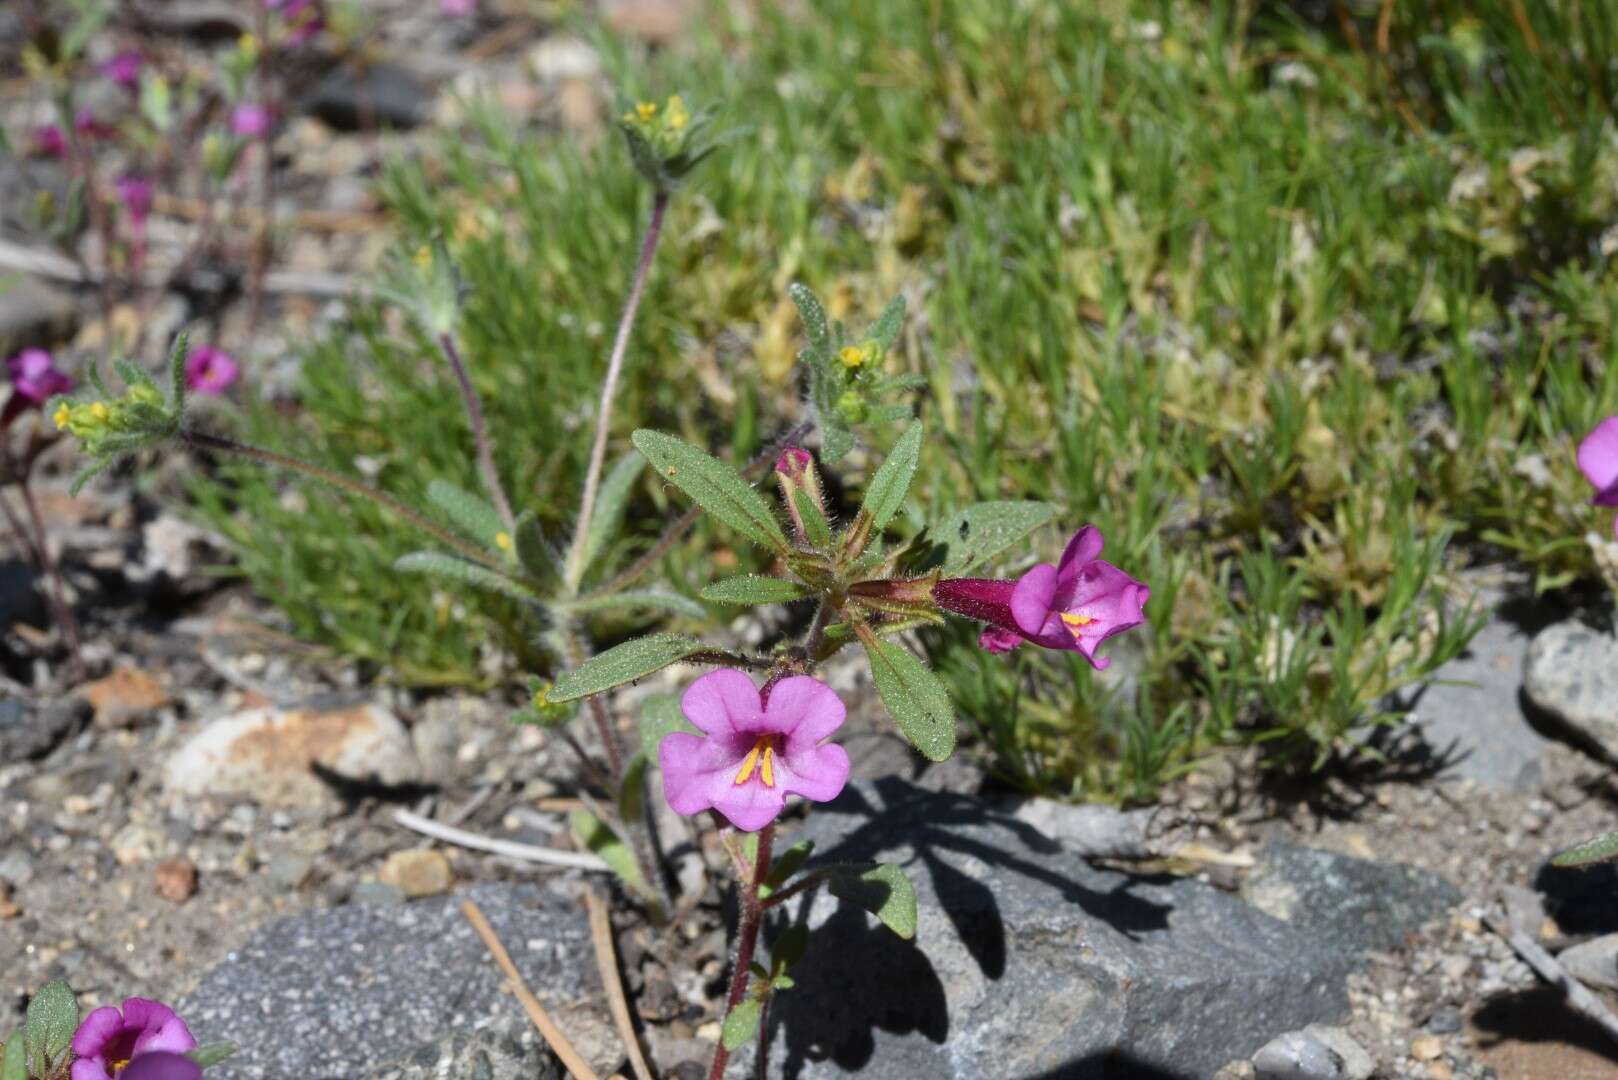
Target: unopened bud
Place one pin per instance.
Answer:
(800, 490)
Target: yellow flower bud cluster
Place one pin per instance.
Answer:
(663, 126)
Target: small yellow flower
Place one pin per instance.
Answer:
(99, 410)
(248, 44)
(675, 113)
(645, 110)
(852, 356)
(423, 258)
(61, 416)
(502, 540)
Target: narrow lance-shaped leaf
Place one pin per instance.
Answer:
(751, 589)
(461, 572)
(882, 890)
(1602, 849)
(816, 529)
(981, 531)
(596, 836)
(470, 515)
(608, 516)
(177, 381)
(742, 1024)
(634, 659)
(714, 486)
(885, 331)
(643, 599)
(888, 489)
(915, 697)
(815, 326)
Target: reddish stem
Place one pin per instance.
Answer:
(746, 945)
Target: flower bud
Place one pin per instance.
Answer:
(800, 490)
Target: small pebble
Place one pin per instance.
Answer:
(417, 872)
(1445, 1021)
(176, 880)
(1426, 1047)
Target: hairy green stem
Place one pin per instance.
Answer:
(348, 485)
(480, 433)
(574, 572)
(746, 945)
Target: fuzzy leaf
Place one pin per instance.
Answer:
(882, 890)
(634, 659)
(981, 531)
(14, 1065)
(888, 488)
(533, 552)
(835, 443)
(915, 697)
(470, 515)
(177, 380)
(460, 572)
(712, 485)
(211, 1053)
(885, 331)
(1603, 848)
(815, 327)
(673, 603)
(750, 589)
(53, 1017)
(611, 501)
(815, 527)
(742, 1024)
(660, 715)
(596, 836)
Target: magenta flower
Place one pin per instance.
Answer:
(34, 376)
(162, 1065)
(49, 140)
(135, 192)
(86, 124)
(210, 371)
(457, 7)
(109, 1040)
(1598, 460)
(250, 121)
(1075, 605)
(124, 69)
(753, 752)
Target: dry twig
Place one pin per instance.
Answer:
(1579, 999)
(607, 962)
(509, 848)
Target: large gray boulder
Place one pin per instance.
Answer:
(1031, 963)
(370, 989)
(1573, 676)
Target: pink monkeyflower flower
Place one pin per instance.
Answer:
(162, 1065)
(110, 1040)
(86, 124)
(250, 121)
(1074, 605)
(754, 750)
(457, 7)
(49, 140)
(34, 381)
(209, 370)
(135, 192)
(124, 69)
(1598, 460)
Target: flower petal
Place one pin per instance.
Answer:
(96, 1031)
(89, 1069)
(997, 640)
(804, 709)
(751, 806)
(1031, 599)
(722, 702)
(1082, 549)
(161, 1065)
(697, 770)
(1598, 460)
(817, 773)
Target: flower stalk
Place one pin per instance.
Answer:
(752, 918)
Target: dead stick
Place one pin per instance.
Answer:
(536, 1012)
(1579, 999)
(607, 962)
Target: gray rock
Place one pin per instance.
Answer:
(1445, 1021)
(1471, 716)
(42, 728)
(34, 314)
(1593, 963)
(1572, 674)
(1093, 830)
(1318, 1052)
(502, 1051)
(331, 995)
(1030, 962)
(1349, 905)
(381, 95)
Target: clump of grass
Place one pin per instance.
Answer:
(1304, 317)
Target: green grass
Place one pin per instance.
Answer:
(1302, 324)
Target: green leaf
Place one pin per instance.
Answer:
(533, 552)
(53, 1017)
(472, 516)
(14, 1065)
(784, 866)
(611, 501)
(660, 715)
(595, 835)
(632, 791)
(1603, 848)
(787, 949)
(750, 589)
(177, 381)
(211, 1053)
(712, 485)
(672, 603)
(891, 483)
(885, 331)
(835, 443)
(742, 1024)
(882, 890)
(815, 527)
(634, 659)
(813, 314)
(460, 572)
(915, 697)
(983, 530)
